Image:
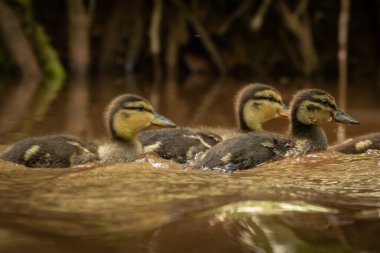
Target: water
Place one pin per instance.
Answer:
(324, 202)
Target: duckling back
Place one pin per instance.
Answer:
(177, 144)
(245, 151)
(51, 152)
(359, 144)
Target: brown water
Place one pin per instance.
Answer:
(324, 202)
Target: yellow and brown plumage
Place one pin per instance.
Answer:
(178, 144)
(124, 117)
(51, 152)
(309, 109)
(255, 104)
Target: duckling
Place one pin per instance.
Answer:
(309, 109)
(51, 152)
(124, 117)
(359, 144)
(255, 104)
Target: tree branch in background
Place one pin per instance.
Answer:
(290, 50)
(136, 36)
(301, 8)
(298, 23)
(79, 16)
(18, 45)
(113, 36)
(16, 106)
(46, 55)
(223, 28)
(344, 18)
(155, 49)
(204, 36)
(79, 37)
(177, 35)
(377, 6)
(154, 30)
(258, 18)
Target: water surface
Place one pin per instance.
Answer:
(324, 202)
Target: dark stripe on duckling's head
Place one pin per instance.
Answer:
(263, 99)
(123, 101)
(312, 107)
(128, 114)
(120, 102)
(315, 106)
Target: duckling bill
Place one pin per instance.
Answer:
(309, 109)
(124, 117)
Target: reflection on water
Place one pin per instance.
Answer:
(77, 107)
(324, 202)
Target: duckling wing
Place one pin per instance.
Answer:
(51, 152)
(359, 144)
(245, 152)
(177, 144)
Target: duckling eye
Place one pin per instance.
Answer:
(325, 102)
(140, 108)
(312, 108)
(270, 98)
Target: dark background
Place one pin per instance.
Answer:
(62, 61)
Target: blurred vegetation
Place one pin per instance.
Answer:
(293, 43)
(246, 39)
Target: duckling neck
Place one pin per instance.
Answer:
(250, 126)
(313, 135)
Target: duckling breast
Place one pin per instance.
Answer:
(119, 151)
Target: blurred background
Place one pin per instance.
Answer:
(62, 61)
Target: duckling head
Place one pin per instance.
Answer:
(314, 107)
(128, 114)
(256, 104)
